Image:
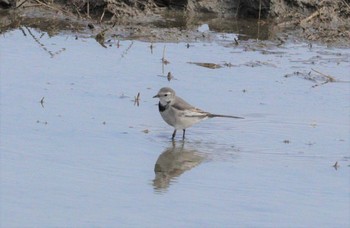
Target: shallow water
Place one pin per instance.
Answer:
(87, 155)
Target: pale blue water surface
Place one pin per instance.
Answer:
(87, 156)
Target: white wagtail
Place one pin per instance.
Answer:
(178, 113)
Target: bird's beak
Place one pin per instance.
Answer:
(156, 96)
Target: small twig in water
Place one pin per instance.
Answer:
(127, 49)
(164, 61)
(137, 99)
(37, 40)
(336, 165)
(329, 78)
(151, 47)
(169, 76)
(42, 102)
(24, 33)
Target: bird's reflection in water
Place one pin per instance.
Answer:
(173, 162)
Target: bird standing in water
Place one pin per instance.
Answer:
(178, 113)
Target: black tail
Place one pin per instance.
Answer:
(226, 116)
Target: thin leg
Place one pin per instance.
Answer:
(183, 134)
(174, 133)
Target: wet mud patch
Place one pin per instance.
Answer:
(317, 21)
(326, 20)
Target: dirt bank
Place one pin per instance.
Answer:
(325, 20)
(322, 21)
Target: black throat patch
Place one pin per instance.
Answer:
(162, 107)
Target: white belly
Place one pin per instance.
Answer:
(181, 119)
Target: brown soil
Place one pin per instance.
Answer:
(316, 20)
(168, 20)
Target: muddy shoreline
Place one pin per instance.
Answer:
(313, 21)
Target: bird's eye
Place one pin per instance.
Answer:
(165, 95)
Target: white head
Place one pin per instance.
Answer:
(165, 95)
